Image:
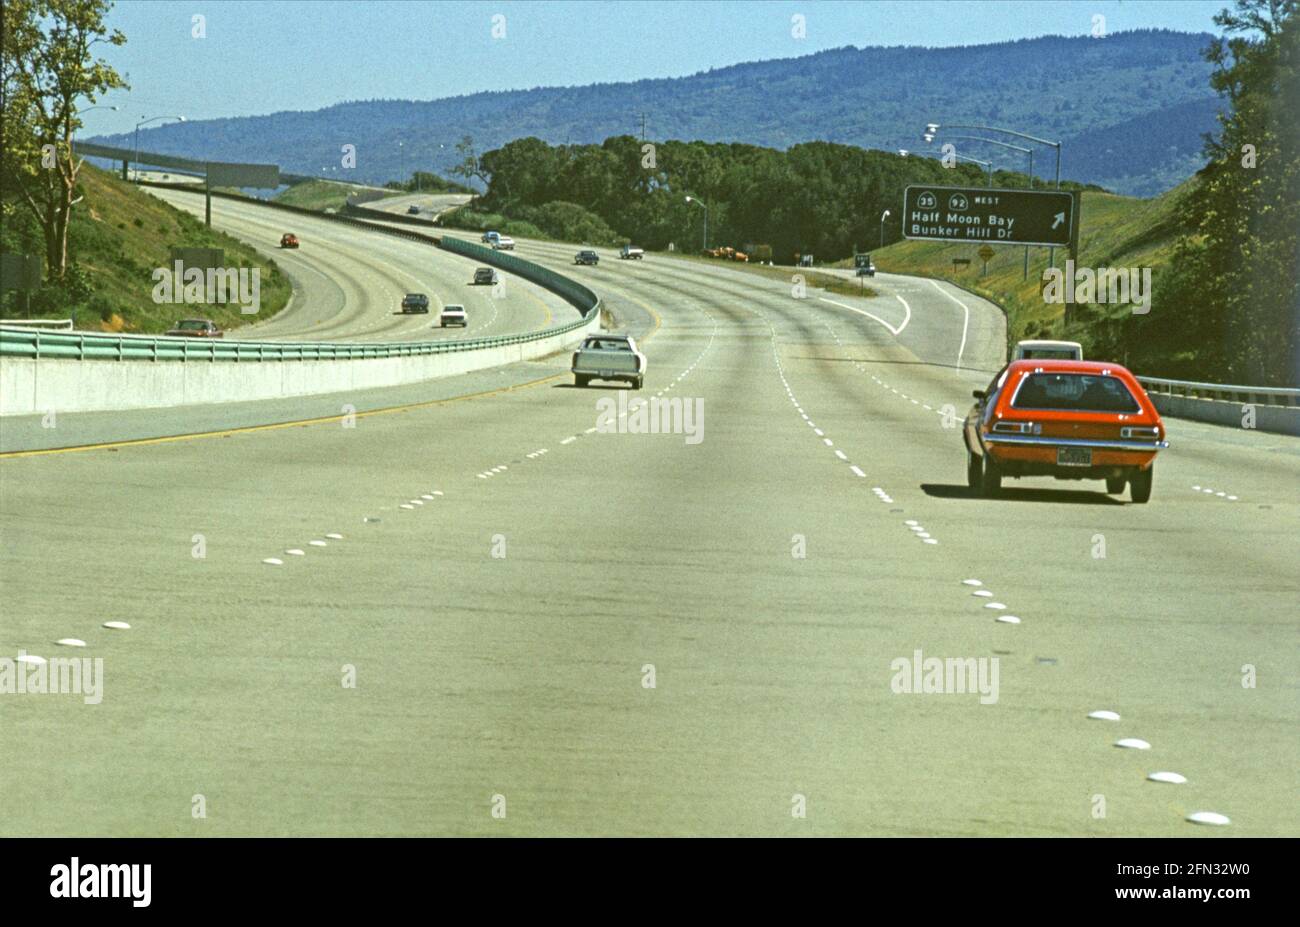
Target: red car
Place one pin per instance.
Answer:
(288, 240)
(1074, 420)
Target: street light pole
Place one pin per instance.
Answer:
(883, 216)
(144, 121)
(1023, 149)
(932, 129)
(705, 206)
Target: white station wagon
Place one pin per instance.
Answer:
(1048, 350)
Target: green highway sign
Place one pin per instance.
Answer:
(981, 214)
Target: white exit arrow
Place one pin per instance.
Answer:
(1060, 217)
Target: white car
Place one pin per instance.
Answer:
(631, 253)
(1048, 350)
(609, 357)
(504, 243)
(453, 315)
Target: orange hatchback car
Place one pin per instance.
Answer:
(1074, 420)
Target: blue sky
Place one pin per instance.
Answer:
(262, 57)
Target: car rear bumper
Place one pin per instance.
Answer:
(1047, 441)
(1030, 455)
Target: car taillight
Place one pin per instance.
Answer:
(1018, 428)
(1140, 431)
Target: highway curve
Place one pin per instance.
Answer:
(611, 633)
(347, 292)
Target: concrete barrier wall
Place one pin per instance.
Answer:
(1273, 419)
(31, 386)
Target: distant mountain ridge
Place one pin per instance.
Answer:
(1131, 107)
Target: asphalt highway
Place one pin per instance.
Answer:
(619, 633)
(342, 293)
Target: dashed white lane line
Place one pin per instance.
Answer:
(570, 439)
(840, 455)
(857, 470)
(1210, 492)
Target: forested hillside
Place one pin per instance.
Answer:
(1058, 87)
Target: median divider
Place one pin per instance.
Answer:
(70, 371)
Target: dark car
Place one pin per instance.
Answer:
(196, 328)
(288, 240)
(415, 303)
(412, 210)
(485, 275)
(586, 257)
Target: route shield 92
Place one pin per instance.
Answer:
(980, 214)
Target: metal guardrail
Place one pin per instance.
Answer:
(65, 324)
(1259, 395)
(35, 342)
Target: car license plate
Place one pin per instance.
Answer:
(1074, 456)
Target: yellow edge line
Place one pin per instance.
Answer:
(140, 442)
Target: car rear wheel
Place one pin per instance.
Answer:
(990, 477)
(636, 384)
(1115, 485)
(580, 381)
(974, 471)
(1140, 484)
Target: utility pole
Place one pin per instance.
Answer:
(643, 127)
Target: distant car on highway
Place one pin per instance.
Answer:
(503, 243)
(453, 314)
(586, 257)
(490, 238)
(609, 357)
(412, 210)
(1070, 419)
(630, 253)
(1048, 350)
(485, 275)
(196, 328)
(288, 240)
(415, 303)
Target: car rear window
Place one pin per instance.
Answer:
(1074, 392)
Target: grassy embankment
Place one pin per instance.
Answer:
(1115, 231)
(119, 235)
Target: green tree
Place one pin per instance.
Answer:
(46, 69)
(1244, 216)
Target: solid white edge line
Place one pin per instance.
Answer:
(893, 331)
(964, 325)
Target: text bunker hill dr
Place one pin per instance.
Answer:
(978, 214)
